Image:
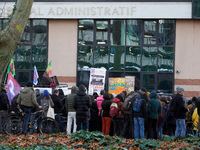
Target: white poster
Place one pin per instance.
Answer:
(97, 80)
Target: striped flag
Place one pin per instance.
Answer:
(11, 68)
(48, 72)
(35, 76)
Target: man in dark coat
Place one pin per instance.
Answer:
(4, 105)
(81, 104)
(180, 113)
(58, 106)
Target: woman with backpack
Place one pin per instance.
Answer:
(45, 101)
(118, 120)
(106, 118)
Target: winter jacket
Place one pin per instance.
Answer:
(70, 98)
(4, 102)
(170, 116)
(81, 99)
(154, 106)
(99, 101)
(106, 108)
(27, 97)
(195, 119)
(198, 105)
(58, 106)
(180, 112)
(45, 105)
(120, 108)
(94, 111)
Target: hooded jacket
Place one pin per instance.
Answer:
(120, 108)
(81, 99)
(195, 119)
(70, 98)
(154, 106)
(27, 97)
(99, 101)
(4, 102)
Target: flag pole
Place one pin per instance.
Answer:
(5, 78)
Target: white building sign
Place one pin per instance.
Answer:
(117, 10)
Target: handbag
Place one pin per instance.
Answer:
(50, 112)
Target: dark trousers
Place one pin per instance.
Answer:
(82, 121)
(99, 123)
(27, 118)
(171, 128)
(128, 130)
(58, 119)
(118, 126)
(153, 132)
(92, 125)
(3, 115)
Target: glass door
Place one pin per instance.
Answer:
(148, 81)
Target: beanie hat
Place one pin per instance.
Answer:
(46, 93)
(179, 89)
(29, 84)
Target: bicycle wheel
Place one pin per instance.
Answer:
(13, 125)
(48, 125)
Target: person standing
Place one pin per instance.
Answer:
(139, 118)
(27, 100)
(106, 118)
(99, 101)
(45, 101)
(118, 121)
(81, 104)
(154, 109)
(94, 115)
(58, 106)
(180, 113)
(4, 106)
(71, 111)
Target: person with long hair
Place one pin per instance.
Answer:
(45, 101)
(106, 118)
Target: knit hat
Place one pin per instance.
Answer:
(179, 89)
(46, 93)
(29, 84)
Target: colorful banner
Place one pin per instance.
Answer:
(11, 68)
(116, 85)
(48, 72)
(129, 83)
(97, 80)
(13, 87)
(35, 76)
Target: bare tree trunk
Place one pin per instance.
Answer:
(11, 35)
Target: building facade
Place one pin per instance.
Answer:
(157, 41)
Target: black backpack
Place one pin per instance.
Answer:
(193, 108)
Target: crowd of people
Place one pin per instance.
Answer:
(138, 114)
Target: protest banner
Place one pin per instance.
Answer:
(116, 85)
(97, 80)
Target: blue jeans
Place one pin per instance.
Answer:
(180, 128)
(138, 128)
(27, 118)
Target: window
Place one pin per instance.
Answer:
(140, 48)
(32, 50)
